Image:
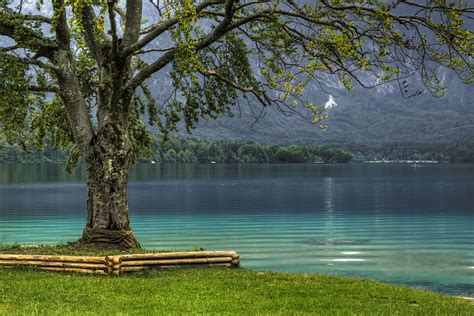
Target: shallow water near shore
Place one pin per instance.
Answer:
(393, 223)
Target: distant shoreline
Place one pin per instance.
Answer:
(192, 150)
(405, 161)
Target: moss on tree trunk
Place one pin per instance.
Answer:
(108, 221)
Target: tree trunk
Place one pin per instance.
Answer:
(107, 163)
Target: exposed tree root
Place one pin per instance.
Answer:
(107, 238)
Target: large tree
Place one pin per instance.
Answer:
(82, 73)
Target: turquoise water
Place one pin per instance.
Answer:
(393, 223)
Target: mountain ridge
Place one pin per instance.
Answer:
(362, 117)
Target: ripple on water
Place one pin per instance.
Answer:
(335, 242)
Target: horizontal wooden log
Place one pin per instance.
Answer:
(142, 268)
(172, 255)
(74, 270)
(106, 270)
(133, 269)
(84, 259)
(54, 264)
(176, 261)
(220, 265)
(235, 262)
(202, 266)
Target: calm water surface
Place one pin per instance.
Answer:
(393, 223)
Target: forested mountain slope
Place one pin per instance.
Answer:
(371, 117)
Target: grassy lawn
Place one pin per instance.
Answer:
(76, 248)
(213, 291)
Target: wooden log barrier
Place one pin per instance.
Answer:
(84, 264)
(177, 255)
(55, 264)
(75, 270)
(116, 265)
(84, 259)
(176, 261)
(139, 262)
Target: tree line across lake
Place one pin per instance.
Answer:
(206, 151)
(191, 150)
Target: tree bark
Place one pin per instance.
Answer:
(107, 163)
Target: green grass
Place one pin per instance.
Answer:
(214, 291)
(204, 291)
(76, 248)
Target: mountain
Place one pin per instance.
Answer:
(362, 117)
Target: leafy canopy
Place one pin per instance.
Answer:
(215, 53)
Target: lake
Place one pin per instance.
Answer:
(393, 223)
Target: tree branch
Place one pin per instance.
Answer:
(263, 99)
(26, 37)
(120, 12)
(113, 26)
(74, 101)
(133, 17)
(90, 35)
(220, 30)
(62, 29)
(38, 88)
(35, 62)
(8, 49)
(33, 17)
(159, 28)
